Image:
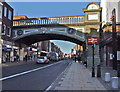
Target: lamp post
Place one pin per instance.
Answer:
(37, 49)
(114, 39)
(93, 41)
(93, 66)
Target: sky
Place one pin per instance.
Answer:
(50, 9)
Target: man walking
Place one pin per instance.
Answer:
(17, 57)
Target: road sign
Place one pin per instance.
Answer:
(92, 40)
(111, 18)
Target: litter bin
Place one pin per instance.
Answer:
(107, 77)
(114, 82)
(118, 70)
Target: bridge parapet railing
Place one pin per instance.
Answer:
(49, 20)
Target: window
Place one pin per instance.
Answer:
(4, 29)
(22, 18)
(0, 11)
(9, 15)
(9, 32)
(5, 11)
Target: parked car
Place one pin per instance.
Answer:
(42, 59)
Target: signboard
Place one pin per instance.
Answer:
(4, 47)
(93, 17)
(111, 18)
(92, 40)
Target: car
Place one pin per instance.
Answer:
(42, 59)
(53, 56)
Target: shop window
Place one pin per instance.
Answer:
(9, 15)
(5, 11)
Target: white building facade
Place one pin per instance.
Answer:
(107, 7)
(107, 42)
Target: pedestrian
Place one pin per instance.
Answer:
(75, 58)
(79, 59)
(26, 57)
(17, 57)
(12, 58)
(4, 58)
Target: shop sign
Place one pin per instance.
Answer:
(7, 43)
(9, 49)
(118, 55)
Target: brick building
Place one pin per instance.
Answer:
(6, 30)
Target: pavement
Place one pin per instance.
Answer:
(78, 77)
(113, 73)
(13, 63)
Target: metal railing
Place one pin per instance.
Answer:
(46, 21)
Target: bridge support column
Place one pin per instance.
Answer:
(12, 52)
(21, 53)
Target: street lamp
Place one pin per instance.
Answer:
(93, 66)
(114, 38)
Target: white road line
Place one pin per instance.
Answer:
(5, 78)
(56, 79)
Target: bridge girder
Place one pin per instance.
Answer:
(32, 35)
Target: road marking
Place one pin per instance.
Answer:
(57, 78)
(5, 78)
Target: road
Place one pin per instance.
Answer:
(39, 79)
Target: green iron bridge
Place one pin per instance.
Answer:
(29, 31)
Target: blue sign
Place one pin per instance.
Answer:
(4, 47)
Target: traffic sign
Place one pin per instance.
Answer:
(92, 40)
(111, 18)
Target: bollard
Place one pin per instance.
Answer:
(98, 71)
(107, 77)
(118, 70)
(114, 82)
